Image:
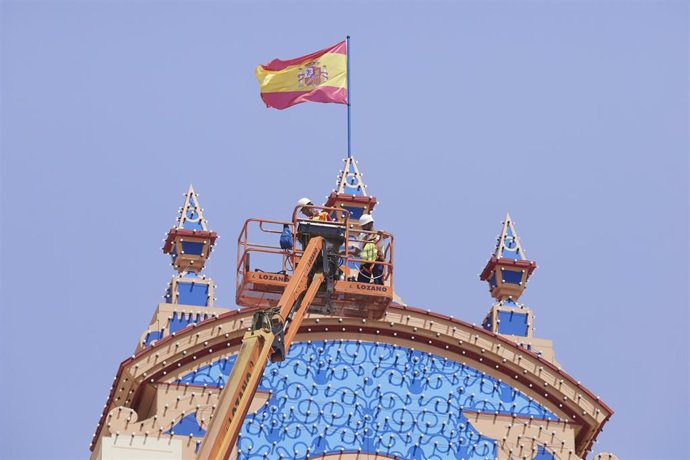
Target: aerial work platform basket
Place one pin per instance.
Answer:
(264, 268)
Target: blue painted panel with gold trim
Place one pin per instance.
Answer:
(512, 323)
(351, 396)
(192, 293)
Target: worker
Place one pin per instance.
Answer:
(369, 270)
(312, 213)
(286, 240)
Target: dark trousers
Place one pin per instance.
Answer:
(376, 275)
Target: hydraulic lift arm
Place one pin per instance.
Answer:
(269, 337)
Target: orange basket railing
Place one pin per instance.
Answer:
(260, 237)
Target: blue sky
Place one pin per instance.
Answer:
(571, 115)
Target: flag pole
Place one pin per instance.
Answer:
(349, 100)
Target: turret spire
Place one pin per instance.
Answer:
(190, 242)
(508, 245)
(350, 179)
(508, 270)
(191, 215)
(351, 192)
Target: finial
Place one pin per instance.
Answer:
(191, 216)
(351, 193)
(350, 179)
(190, 242)
(508, 245)
(508, 269)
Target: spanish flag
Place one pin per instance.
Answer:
(316, 77)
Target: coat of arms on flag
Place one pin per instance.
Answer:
(312, 74)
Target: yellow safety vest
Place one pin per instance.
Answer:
(323, 215)
(370, 251)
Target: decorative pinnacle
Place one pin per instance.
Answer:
(350, 179)
(191, 215)
(508, 270)
(508, 245)
(190, 242)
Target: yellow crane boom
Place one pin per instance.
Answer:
(270, 336)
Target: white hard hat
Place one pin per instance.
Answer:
(365, 219)
(303, 201)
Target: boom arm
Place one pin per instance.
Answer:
(264, 341)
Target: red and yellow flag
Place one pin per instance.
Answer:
(316, 77)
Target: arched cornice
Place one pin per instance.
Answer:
(199, 344)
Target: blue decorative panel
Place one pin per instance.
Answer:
(511, 254)
(188, 425)
(512, 323)
(151, 336)
(355, 212)
(192, 221)
(181, 320)
(192, 293)
(509, 276)
(543, 454)
(192, 225)
(493, 280)
(192, 247)
(510, 248)
(351, 184)
(214, 375)
(350, 396)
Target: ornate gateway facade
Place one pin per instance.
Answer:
(412, 385)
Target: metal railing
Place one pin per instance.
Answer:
(253, 239)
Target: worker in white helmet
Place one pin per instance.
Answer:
(366, 222)
(306, 209)
(369, 270)
(312, 213)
